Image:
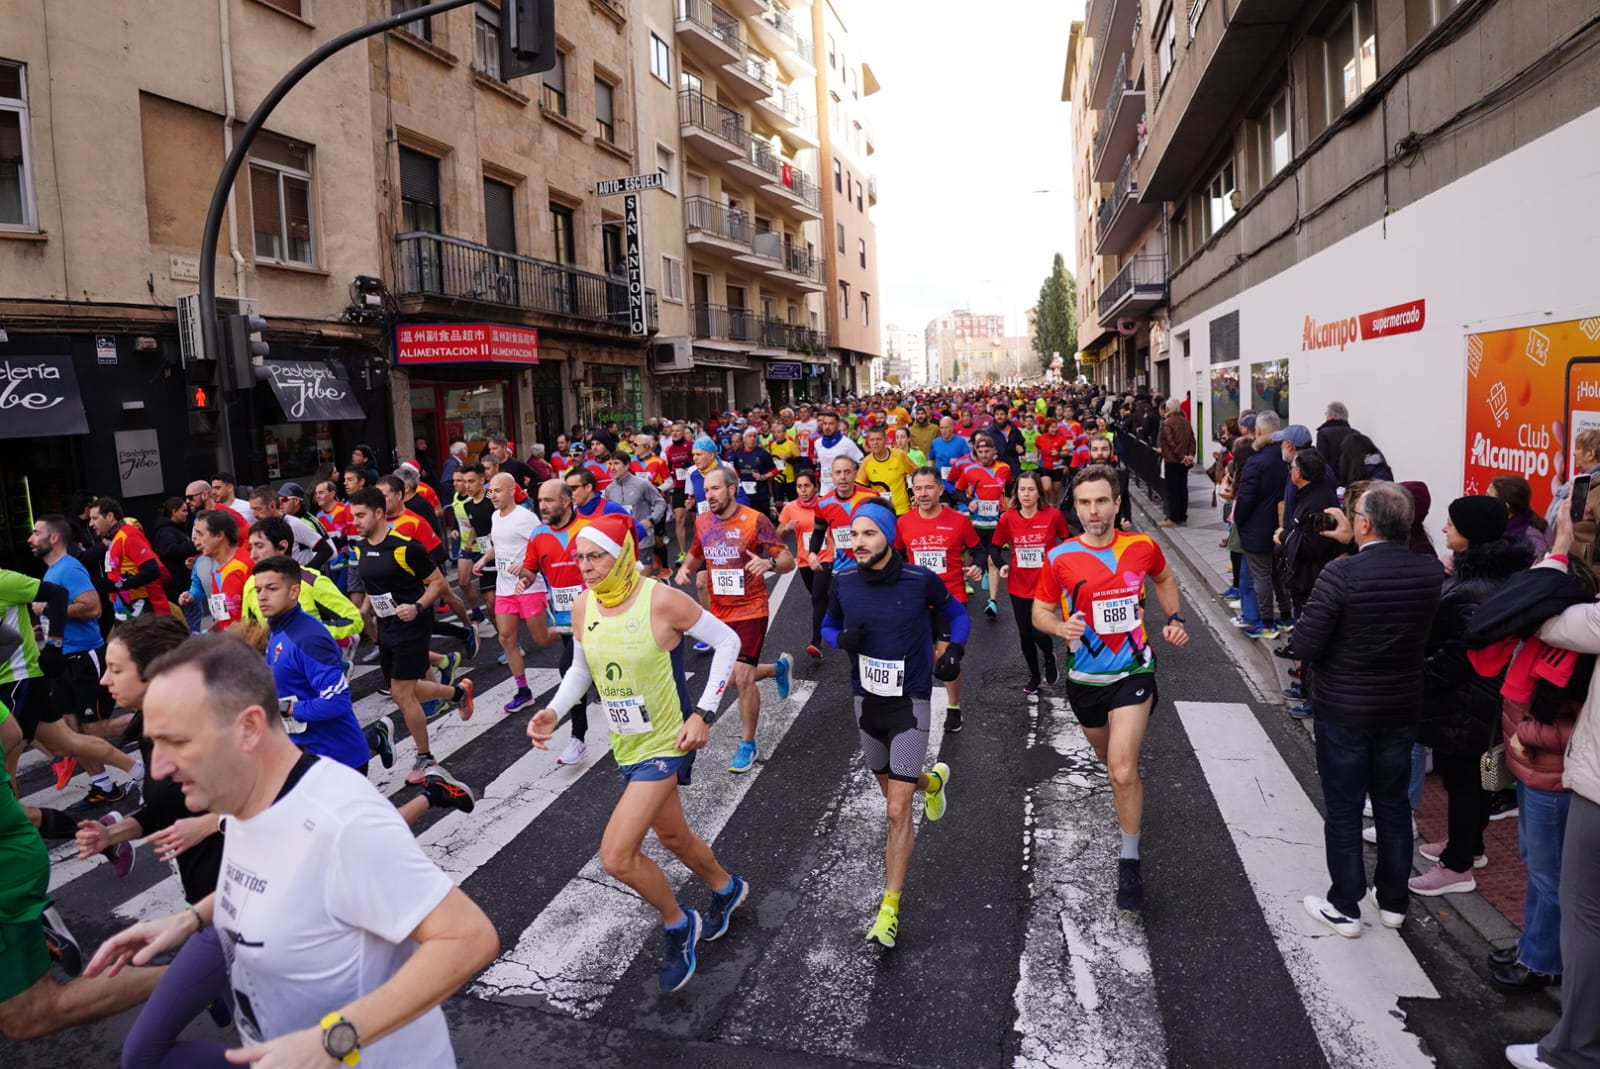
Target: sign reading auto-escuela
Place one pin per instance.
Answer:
(634, 183)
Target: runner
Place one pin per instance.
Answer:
(410, 524)
(984, 484)
(218, 538)
(510, 530)
(882, 614)
(1097, 449)
(473, 513)
(798, 518)
(1097, 581)
(756, 469)
(632, 650)
(938, 538)
(831, 442)
(946, 453)
(834, 513)
(679, 454)
(735, 542)
(659, 473)
(1051, 445)
(889, 470)
(310, 548)
(334, 515)
(132, 568)
(1031, 531)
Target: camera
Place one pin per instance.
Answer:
(1323, 522)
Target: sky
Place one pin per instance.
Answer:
(970, 122)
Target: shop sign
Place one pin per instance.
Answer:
(464, 343)
(1530, 392)
(785, 369)
(105, 349)
(309, 391)
(139, 463)
(1369, 326)
(39, 397)
(635, 258)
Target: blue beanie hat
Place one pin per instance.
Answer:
(881, 515)
(705, 444)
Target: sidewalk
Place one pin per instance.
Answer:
(1197, 544)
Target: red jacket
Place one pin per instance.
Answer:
(1545, 743)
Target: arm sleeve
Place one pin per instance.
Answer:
(833, 620)
(321, 554)
(574, 683)
(55, 601)
(330, 601)
(149, 572)
(1576, 629)
(724, 643)
(819, 531)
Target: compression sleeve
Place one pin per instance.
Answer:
(574, 684)
(724, 643)
(833, 620)
(55, 600)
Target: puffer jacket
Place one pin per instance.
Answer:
(1365, 632)
(1545, 744)
(1459, 705)
(1578, 629)
(1256, 497)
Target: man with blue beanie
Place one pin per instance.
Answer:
(882, 613)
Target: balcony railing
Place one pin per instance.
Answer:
(798, 182)
(787, 101)
(784, 23)
(704, 215)
(712, 17)
(1101, 45)
(760, 68)
(449, 267)
(1127, 185)
(786, 256)
(1142, 272)
(697, 109)
(717, 323)
(1119, 85)
(776, 334)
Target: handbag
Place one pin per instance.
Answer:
(1493, 772)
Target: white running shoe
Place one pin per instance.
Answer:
(575, 752)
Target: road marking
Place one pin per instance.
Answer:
(1351, 987)
(572, 955)
(1084, 993)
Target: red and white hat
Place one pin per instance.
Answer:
(608, 532)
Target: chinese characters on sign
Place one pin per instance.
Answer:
(458, 343)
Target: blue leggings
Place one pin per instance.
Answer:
(192, 982)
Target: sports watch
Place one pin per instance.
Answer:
(340, 1039)
(1176, 618)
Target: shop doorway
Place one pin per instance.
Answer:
(38, 476)
(471, 411)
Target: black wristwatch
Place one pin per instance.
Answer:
(340, 1039)
(1176, 618)
(710, 718)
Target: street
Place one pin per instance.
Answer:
(1011, 950)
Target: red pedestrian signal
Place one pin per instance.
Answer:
(202, 399)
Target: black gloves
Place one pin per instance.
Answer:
(949, 665)
(851, 639)
(52, 662)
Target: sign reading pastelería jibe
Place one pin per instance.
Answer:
(463, 343)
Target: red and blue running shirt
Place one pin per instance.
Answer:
(1106, 584)
(988, 489)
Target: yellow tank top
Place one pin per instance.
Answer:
(641, 686)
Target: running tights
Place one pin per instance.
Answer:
(197, 977)
(1033, 642)
(817, 584)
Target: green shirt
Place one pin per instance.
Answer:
(17, 592)
(24, 861)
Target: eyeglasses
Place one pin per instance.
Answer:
(590, 558)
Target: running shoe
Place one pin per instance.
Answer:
(1235, 604)
(122, 855)
(370, 655)
(744, 757)
(1434, 851)
(784, 666)
(467, 705)
(1323, 912)
(1294, 691)
(433, 710)
(1526, 1056)
(1230, 593)
(383, 692)
(478, 616)
(1286, 626)
(64, 768)
(885, 928)
(502, 659)
(98, 796)
(1130, 884)
(474, 643)
(1439, 880)
(1052, 670)
(723, 903)
(935, 797)
(64, 950)
(1030, 688)
(420, 767)
(952, 721)
(575, 752)
(520, 700)
(383, 741)
(448, 670)
(1503, 805)
(1389, 917)
(814, 652)
(701, 647)
(444, 791)
(1261, 631)
(1300, 711)
(678, 959)
(983, 584)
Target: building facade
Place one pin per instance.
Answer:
(906, 353)
(966, 348)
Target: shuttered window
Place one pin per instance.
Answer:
(499, 216)
(419, 191)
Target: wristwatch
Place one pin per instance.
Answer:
(1176, 618)
(709, 717)
(340, 1039)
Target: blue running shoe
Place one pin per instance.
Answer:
(1230, 594)
(448, 670)
(520, 700)
(743, 758)
(433, 710)
(723, 903)
(984, 583)
(383, 741)
(677, 963)
(502, 659)
(784, 666)
(1301, 711)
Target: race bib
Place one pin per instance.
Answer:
(886, 497)
(841, 539)
(944, 473)
(931, 559)
(290, 724)
(702, 506)
(683, 475)
(986, 510)
(1030, 557)
(748, 486)
(562, 598)
(627, 715)
(1030, 458)
(887, 679)
(480, 546)
(1115, 614)
(727, 582)
(383, 605)
(218, 605)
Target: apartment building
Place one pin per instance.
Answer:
(1365, 197)
(111, 140)
(844, 81)
(906, 354)
(966, 348)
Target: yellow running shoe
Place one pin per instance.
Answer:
(884, 928)
(934, 796)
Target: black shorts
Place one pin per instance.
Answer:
(987, 551)
(29, 701)
(1092, 705)
(404, 658)
(678, 498)
(1053, 474)
(78, 691)
(486, 580)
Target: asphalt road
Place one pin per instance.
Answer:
(1011, 949)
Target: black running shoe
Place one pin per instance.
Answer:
(63, 948)
(383, 741)
(444, 791)
(952, 721)
(1130, 884)
(1052, 670)
(98, 797)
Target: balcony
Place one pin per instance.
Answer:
(779, 32)
(1122, 218)
(717, 132)
(792, 120)
(1140, 286)
(1208, 86)
(709, 33)
(745, 8)
(1119, 125)
(435, 266)
(752, 78)
(1112, 35)
(711, 227)
(785, 262)
(792, 338)
(737, 326)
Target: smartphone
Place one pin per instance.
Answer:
(1579, 498)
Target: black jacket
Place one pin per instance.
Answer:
(1518, 608)
(1460, 707)
(1330, 439)
(1305, 550)
(175, 546)
(1365, 631)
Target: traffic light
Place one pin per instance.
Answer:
(527, 37)
(241, 348)
(200, 380)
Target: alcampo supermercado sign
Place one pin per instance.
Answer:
(1399, 319)
(464, 343)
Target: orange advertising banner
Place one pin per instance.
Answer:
(1530, 391)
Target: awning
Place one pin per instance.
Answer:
(39, 397)
(312, 390)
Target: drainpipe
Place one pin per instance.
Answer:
(226, 43)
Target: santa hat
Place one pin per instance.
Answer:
(608, 532)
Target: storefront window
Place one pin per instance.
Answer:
(474, 413)
(693, 394)
(1224, 396)
(294, 451)
(1269, 387)
(616, 395)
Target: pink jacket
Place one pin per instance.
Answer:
(1545, 743)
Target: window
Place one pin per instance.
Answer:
(16, 168)
(844, 300)
(1350, 53)
(1166, 49)
(499, 216)
(1274, 142)
(667, 167)
(866, 309)
(838, 177)
(555, 86)
(690, 82)
(605, 122)
(422, 28)
(671, 278)
(280, 201)
(561, 225)
(861, 250)
(1180, 239)
(1220, 194)
(833, 53)
(660, 59)
(861, 203)
(419, 191)
(611, 248)
(838, 230)
(486, 41)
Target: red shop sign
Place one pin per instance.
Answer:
(462, 343)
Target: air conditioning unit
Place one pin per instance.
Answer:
(191, 340)
(672, 354)
(1128, 326)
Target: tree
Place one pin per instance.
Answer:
(1056, 327)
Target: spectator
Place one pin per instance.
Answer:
(1333, 432)
(1255, 513)
(1421, 541)
(1360, 458)
(1524, 523)
(1177, 447)
(542, 471)
(173, 542)
(452, 464)
(1305, 551)
(1368, 649)
(1585, 461)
